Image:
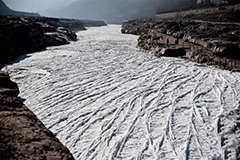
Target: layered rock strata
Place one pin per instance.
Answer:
(23, 35)
(22, 135)
(211, 43)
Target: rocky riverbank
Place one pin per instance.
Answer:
(211, 43)
(23, 35)
(215, 44)
(22, 135)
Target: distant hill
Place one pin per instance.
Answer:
(118, 11)
(111, 11)
(176, 5)
(5, 10)
(115, 11)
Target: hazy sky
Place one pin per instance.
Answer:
(36, 5)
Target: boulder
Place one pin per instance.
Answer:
(229, 51)
(7, 87)
(70, 35)
(172, 52)
(48, 28)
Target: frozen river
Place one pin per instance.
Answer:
(106, 99)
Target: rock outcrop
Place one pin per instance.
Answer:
(22, 35)
(22, 135)
(204, 42)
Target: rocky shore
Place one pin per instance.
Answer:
(211, 43)
(23, 35)
(22, 135)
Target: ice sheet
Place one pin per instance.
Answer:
(104, 98)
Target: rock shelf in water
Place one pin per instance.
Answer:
(23, 35)
(212, 43)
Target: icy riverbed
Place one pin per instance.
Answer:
(106, 99)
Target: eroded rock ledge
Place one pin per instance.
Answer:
(215, 44)
(211, 43)
(23, 35)
(22, 135)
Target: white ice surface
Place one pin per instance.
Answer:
(106, 99)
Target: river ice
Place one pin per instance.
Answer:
(104, 98)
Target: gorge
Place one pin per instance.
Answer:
(106, 99)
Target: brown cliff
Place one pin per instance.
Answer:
(212, 43)
(22, 135)
(22, 35)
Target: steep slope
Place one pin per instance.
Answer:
(3, 6)
(22, 135)
(173, 5)
(23, 35)
(5, 10)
